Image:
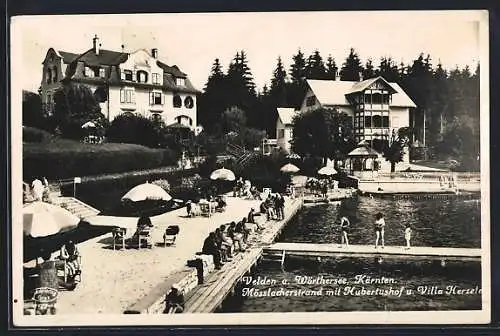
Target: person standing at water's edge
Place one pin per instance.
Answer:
(344, 230)
(379, 229)
(408, 236)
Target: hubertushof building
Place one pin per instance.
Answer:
(378, 108)
(123, 82)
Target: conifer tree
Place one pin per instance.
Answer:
(368, 71)
(315, 68)
(331, 68)
(351, 68)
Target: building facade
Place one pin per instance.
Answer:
(378, 108)
(284, 127)
(122, 82)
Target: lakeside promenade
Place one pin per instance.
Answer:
(114, 280)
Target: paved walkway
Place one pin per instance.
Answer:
(113, 280)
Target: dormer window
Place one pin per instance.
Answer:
(142, 76)
(88, 72)
(102, 73)
(127, 75)
(180, 81)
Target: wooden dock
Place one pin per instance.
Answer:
(369, 251)
(209, 296)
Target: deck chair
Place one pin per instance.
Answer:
(170, 235)
(144, 236)
(119, 237)
(205, 209)
(63, 271)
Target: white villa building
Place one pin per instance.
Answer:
(377, 107)
(124, 82)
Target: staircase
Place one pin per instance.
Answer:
(242, 155)
(75, 206)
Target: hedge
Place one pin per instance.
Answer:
(31, 134)
(66, 164)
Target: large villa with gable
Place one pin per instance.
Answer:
(378, 108)
(124, 82)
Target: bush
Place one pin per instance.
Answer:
(58, 164)
(36, 135)
(135, 129)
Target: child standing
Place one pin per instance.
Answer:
(407, 236)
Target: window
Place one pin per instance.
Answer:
(368, 99)
(184, 120)
(49, 76)
(156, 117)
(189, 102)
(177, 101)
(155, 78)
(127, 75)
(310, 101)
(142, 76)
(368, 121)
(281, 133)
(127, 96)
(54, 79)
(49, 98)
(155, 98)
(377, 121)
(88, 72)
(102, 73)
(385, 121)
(180, 81)
(377, 98)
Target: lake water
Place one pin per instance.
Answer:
(427, 285)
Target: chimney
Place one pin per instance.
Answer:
(96, 44)
(154, 53)
(123, 48)
(337, 75)
(360, 76)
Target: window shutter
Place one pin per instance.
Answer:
(122, 75)
(133, 97)
(162, 98)
(122, 95)
(151, 98)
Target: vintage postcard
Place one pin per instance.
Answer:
(250, 168)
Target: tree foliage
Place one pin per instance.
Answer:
(33, 112)
(351, 68)
(325, 133)
(134, 129)
(74, 106)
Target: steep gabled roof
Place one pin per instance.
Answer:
(105, 57)
(174, 70)
(286, 114)
(67, 57)
(363, 85)
(330, 92)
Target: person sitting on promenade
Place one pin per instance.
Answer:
(221, 203)
(239, 187)
(69, 253)
(241, 229)
(263, 209)
(235, 236)
(144, 222)
(174, 301)
(255, 193)
(210, 247)
(224, 247)
(228, 241)
(271, 213)
(251, 218)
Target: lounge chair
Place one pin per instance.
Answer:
(170, 235)
(144, 237)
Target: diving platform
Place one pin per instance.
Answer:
(369, 251)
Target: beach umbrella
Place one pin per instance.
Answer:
(146, 191)
(89, 124)
(327, 170)
(222, 174)
(289, 168)
(42, 219)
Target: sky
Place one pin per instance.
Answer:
(192, 41)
